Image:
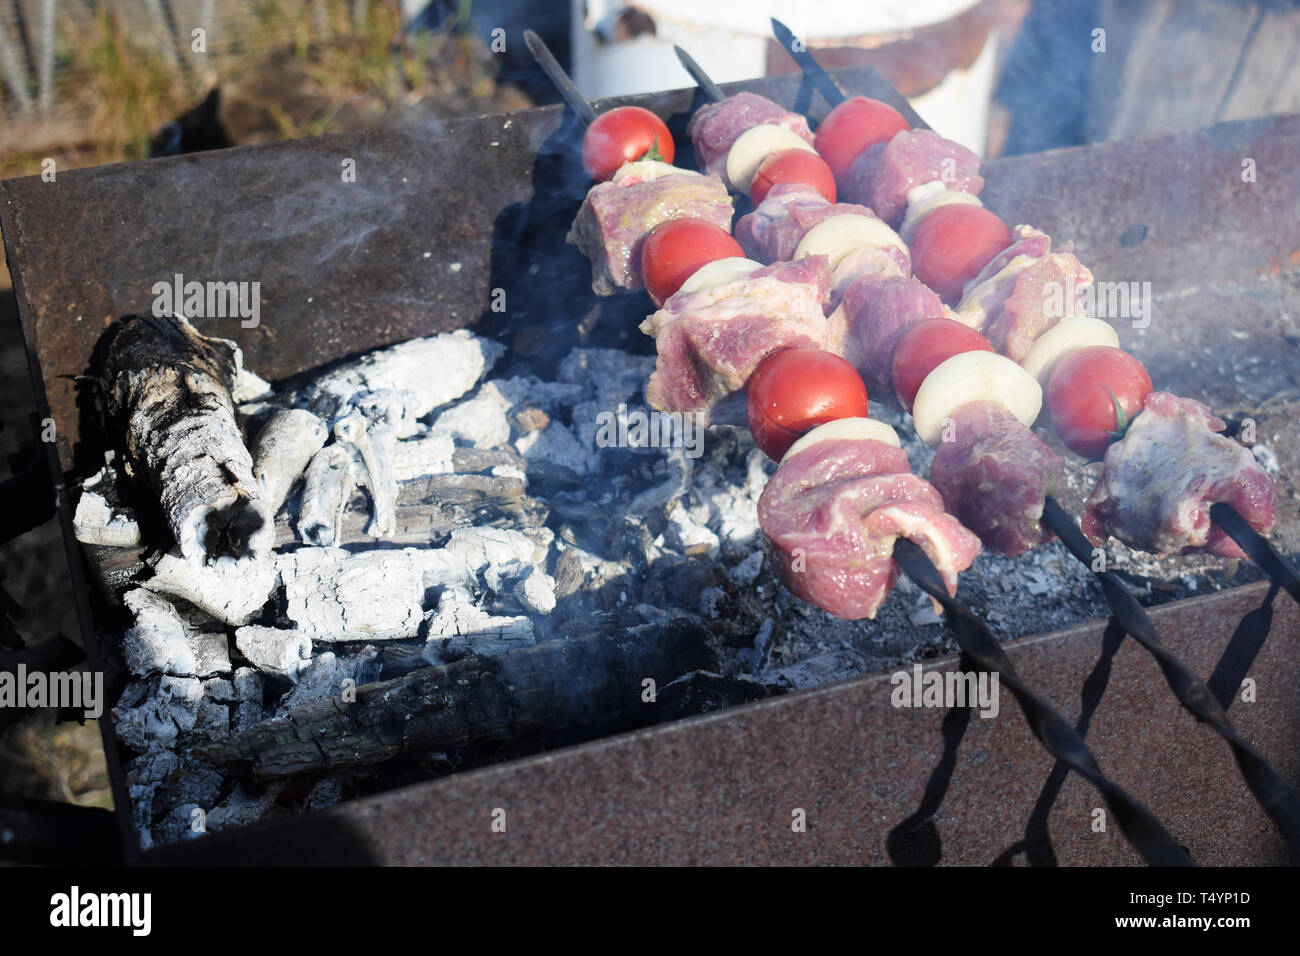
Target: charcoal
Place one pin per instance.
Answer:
(169, 387)
(392, 407)
(375, 445)
(480, 421)
(101, 518)
(325, 679)
(457, 361)
(231, 591)
(458, 627)
(276, 651)
(336, 595)
(424, 455)
(460, 501)
(327, 486)
(284, 446)
(168, 708)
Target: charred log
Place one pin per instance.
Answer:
(592, 683)
(170, 389)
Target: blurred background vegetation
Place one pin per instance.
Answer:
(100, 82)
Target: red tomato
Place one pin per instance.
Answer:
(926, 346)
(795, 390)
(792, 166)
(622, 135)
(1092, 396)
(952, 244)
(672, 253)
(851, 127)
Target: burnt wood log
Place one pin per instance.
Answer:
(170, 389)
(594, 683)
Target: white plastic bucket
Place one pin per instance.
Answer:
(731, 40)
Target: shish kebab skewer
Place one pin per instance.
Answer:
(830, 462)
(1255, 545)
(629, 152)
(1277, 798)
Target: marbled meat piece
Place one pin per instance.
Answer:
(716, 126)
(864, 261)
(882, 175)
(985, 293)
(875, 313)
(830, 517)
(616, 217)
(1157, 483)
(1045, 292)
(710, 342)
(994, 477)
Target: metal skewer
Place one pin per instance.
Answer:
(555, 73)
(1272, 792)
(1257, 548)
(702, 79)
(1054, 732)
(808, 63)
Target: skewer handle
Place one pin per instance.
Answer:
(555, 73)
(1273, 793)
(702, 79)
(808, 63)
(1054, 732)
(1257, 548)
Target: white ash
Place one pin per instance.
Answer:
(167, 707)
(283, 447)
(459, 625)
(687, 535)
(161, 641)
(747, 571)
(336, 595)
(99, 519)
(327, 487)
(660, 496)
(241, 695)
(508, 561)
(249, 386)
(157, 640)
(609, 377)
(375, 445)
(425, 455)
(329, 676)
(274, 650)
(435, 370)
(480, 422)
(232, 591)
(394, 407)
(556, 445)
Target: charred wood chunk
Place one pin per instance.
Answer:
(169, 387)
(327, 486)
(231, 591)
(594, 682)
(282, 450)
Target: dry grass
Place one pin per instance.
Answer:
(117, 88)
(53, 761)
